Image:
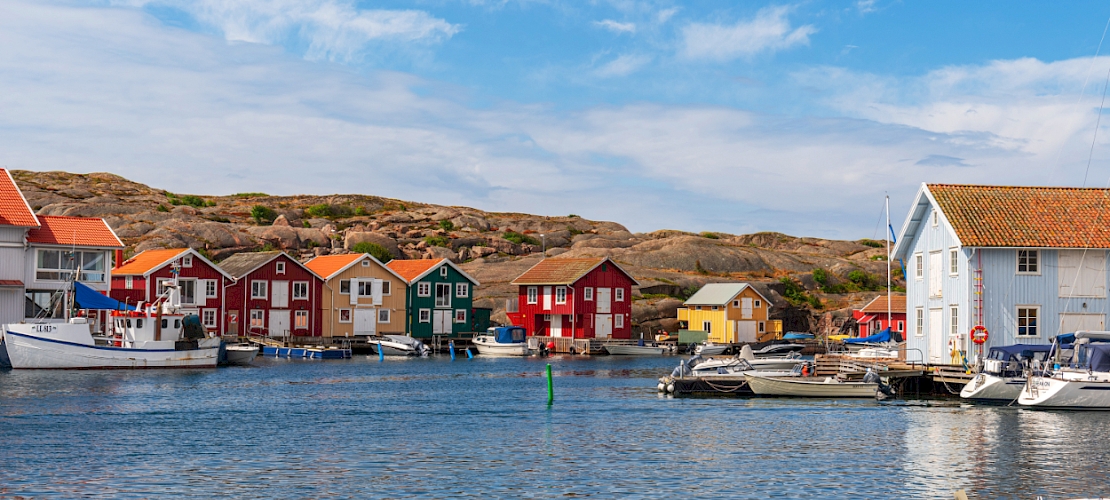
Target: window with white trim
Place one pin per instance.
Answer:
(344, 315)
(211, 290)
(258, 289)
(758, 303)
(919, 322)
(618, 294)
(936, 218)
(707, 326)
(257, 320)
(187, 261)
(533, 295)
(280, 267)
(901, 326)
(300, 290)
(762, 327)
(387, 287)
(300, 320)
(618, 321)
(344, 287)
(588, 293)
(208, 318)
(365, 288)
(443, 272)
(560, 295)
(460, 315)
(918, 266)
(423, 289)
(953, 321)
(1028, 321)
(383, 315)
(425, 315)
(1028, 261)
(462, 290)
(953, 261)
(365, 263)
(736, 303)
(59, 265)
(129, 282)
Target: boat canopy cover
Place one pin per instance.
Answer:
(1094, 336)
(1008, 352)
(878, 338)
(797, 336)
(508, 334)
(1098, 357)
(87, 298)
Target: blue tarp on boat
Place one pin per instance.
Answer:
(1013, 352)
(878, 338)
(87, 298)
(797, 336)
(1098, 357)
(508, 334)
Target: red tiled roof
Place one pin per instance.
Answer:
(878, 305)
(147, 261)
(1038, 217)
(14, 210)
(557, 271)
(411, 269)
(77, 231)
(327, 265)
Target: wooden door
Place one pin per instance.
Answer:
(366, 321)
(603, 325)
(556, 325)
(441, 322)
(279, 323)
(280, 294)
(605, 301)
(546, 298)
(233, 322)
(746, 308)
(936, 337)
(746, 331)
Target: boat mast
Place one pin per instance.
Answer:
(888, 289)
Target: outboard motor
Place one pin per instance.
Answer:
(193, 330)
(884, 391)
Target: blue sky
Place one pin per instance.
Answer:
(720, 116)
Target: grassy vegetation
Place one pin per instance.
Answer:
(190, 200)
(796, 294)
(437, 241)
(263, 214)
(162, 208)
(250, 195)
(518, 238)
(871, 243)
(710, 235)
(379, 252)
(446, 225)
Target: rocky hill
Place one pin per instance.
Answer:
(811, 281)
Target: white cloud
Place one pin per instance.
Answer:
(623, 65)
(665, 15)
(332, 29)
(616, 27)
(768, 31)
(866, 6)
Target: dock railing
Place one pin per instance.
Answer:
(562, 344)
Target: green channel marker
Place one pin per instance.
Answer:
(550, 388)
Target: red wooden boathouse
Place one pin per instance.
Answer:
(273, 294)
(142, 278)
(579, 298)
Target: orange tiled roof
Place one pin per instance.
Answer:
(327, 265)
(147, 261)
(1039, 217)
(77, 231)
(411, 269)
(897, 305)
(557, 271)
(14, 210)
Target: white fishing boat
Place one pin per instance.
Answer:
(711, 349)
(636, 350)
(502, 341)
(398, 345)
(153, 336)
(1081, 381)
(810, 387)
(240, 354)
(1002, 372)
(735, 367)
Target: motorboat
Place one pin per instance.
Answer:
(711, 349)
(811, 387)
(786, 362)
(146, 336)
(1080, 381)
(712, 371)
(778, 350)
(1002, 373)
(239, 354)
(398, 345)
(502, 341)
(636, 350)
(798, 336)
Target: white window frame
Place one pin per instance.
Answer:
(424, 315)
(953, 320)
(936, 218)
(257, 318)
(265, 289)
(462, 290)
(424, 289)
(204, 318)
(953, 262)
(387, 287)
(215, 289)
(300, 284)
(588, 294)
(618, 321)
(365, 263)
(347, 312)
(187, 261)
(279, 267)
(532, 295)
(736, 303)
(344, 284)
(707, 326)
(762, 327)
(618, 295)
(1036, 262)
(757, 304)
(901, 326)
(919, 322)
(1036, 317)
(919, 266)
(129, 282)
(383, 315)
(560, 295)
(443, 272)
(300, 314)
(460, 316)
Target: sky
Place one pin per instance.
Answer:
(736, 117)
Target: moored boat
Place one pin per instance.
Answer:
(1003, 372)
(239, 354)
(711, 349)
(502, 341)
(398, 345)
(635, 350)
(1082, 381)
(816, 387)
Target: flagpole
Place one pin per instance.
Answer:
(888, 288)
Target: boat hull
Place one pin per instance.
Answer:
(796, 387)
(987, 387)
(240, 355)
(497, 349)
(1046, 392)
(711, 349)
(634, 350)
(32, 352)
(390, 349)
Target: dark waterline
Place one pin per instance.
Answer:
(434, 428)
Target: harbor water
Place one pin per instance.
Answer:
(433, 428)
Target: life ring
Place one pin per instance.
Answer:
(979, 334)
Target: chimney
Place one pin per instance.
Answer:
(119, 259)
